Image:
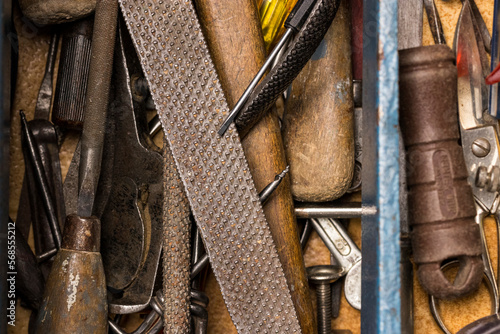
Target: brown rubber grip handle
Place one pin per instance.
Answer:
(73, 74)
(234, 38)
(318, 125)
(441, 204)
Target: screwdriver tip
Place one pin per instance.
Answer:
(224, 127)
(283, 173)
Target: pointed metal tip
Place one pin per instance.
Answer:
(283, 173)
(24, 122)
(226, 124)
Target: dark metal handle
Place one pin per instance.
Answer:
(69, 100)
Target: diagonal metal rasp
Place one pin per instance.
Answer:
(189, 99)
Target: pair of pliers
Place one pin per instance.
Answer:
(479, 135)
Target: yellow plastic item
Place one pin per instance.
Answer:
(273, 14)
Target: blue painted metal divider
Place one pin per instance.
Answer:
(381, 282)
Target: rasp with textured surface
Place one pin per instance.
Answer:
(220, 189)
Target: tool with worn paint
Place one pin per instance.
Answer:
(41, 151)
(130, 190)
(75, 293)
(318, 129)
(306, 26)
(237, 54)
(73, 72)
(273, 14)
(440, 201)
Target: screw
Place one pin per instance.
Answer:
(481, 147)
(322, 276)
(488, 178)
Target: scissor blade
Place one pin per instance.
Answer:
(470, 72)
(494, 105)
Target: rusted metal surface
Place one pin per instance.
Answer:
(215, 173)
(176, 249)
(75, 293)
(96, 103)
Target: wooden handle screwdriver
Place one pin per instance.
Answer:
(319, 119)
(235, 41)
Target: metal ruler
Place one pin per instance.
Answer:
(216, 177)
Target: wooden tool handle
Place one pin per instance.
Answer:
(319, 119)
(234, 36)
(56, 11)
(440, 200)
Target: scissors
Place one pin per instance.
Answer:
(479, 133)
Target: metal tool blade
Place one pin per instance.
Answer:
(409, 23)
(470, 72)
(216, 177)
(494, 105)
(96, 103)
(475, 123)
